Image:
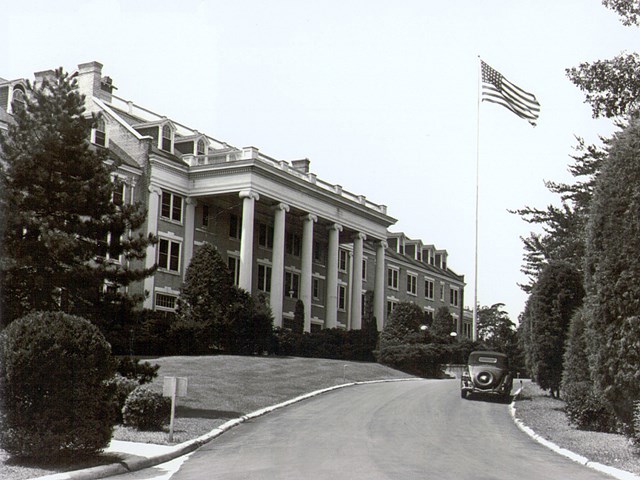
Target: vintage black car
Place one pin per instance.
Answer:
(486, 373)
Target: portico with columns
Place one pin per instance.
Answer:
(293, 229)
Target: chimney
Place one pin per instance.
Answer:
(92, 84)
(301, 165)
(42, 76)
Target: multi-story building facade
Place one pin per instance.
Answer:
(281, 229)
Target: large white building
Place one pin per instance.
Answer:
(282, 230)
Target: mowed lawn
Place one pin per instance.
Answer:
(224, 387)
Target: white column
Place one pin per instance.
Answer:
(277, 263)
(356, 284)
(306, 263)
(152, 228)
(379, 289)
(331, 319)
(189, 231)
(246, 239)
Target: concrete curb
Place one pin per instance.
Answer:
(614, 472)
(135, 463)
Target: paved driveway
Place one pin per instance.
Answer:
(402, 430)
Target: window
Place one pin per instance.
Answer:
(441, 292)
(292, 284)
(234, 226)
(200, 148)
(342, 298)
(428, 317)
(391, 305)
(18, 101)
(265, 235)
(169, 255)
(392, 278)
(166, 138)
(343, 258)
(364, 269)
(316, 289)
(99, 133)
(264, 278)
(453, 296)
(233, 263)
(165, 302)
(294, 244)
(429, 286)
(118, 192)
(318, 252)
(205, 215)
(412, 284)
(171, 207)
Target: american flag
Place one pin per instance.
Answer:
(497, 89)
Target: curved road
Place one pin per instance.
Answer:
(401, 430)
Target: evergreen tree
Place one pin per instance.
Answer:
(442, 325)
(204, 302)
(562, 236)
(298, 317)
(554, 298)
(59, 220)
(612, 271)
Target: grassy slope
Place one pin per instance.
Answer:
(225, 387)
(545, 415)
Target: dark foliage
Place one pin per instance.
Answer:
(146, 409)
(58, 215)
(585, 408)
(132, 368)
(55, 400)
(613, 275)
(552, 302)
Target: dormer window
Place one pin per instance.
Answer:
(200, 149)
(167, 138)
(18, 99)
(99, 133)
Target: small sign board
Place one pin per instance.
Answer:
(175, 386)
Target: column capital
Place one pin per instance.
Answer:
(311, 217)
(360, 236)
(155, 189)
(249, 194)
(282, 206)
(336, 226)
(383, 243)
(191, 201)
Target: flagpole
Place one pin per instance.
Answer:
(475, 282)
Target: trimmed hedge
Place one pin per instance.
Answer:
(146, 409)
(54, 400)
(587, 410)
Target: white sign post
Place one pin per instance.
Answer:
(174, 387)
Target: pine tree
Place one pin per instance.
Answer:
(205, 300)
(56, 202)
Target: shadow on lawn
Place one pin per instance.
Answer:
(188, 412)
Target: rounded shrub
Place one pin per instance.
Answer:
(54, 400)
(146, 409)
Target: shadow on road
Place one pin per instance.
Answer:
(188, 412)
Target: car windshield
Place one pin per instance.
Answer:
(480, 358)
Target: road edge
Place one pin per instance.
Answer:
(614, 472)
(135, 463)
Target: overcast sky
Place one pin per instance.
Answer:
(381, 96)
